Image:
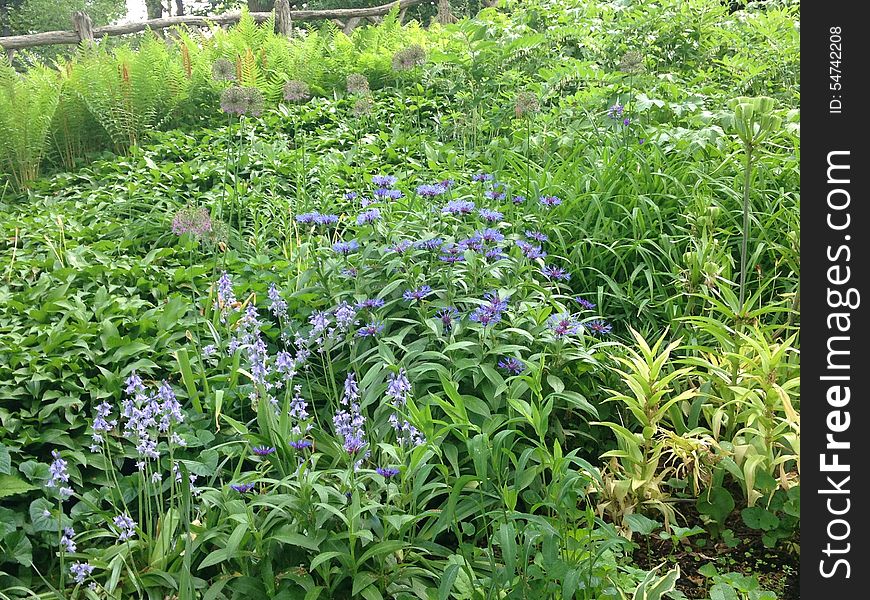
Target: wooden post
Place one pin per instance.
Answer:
(83, 26)
(444, 16)
(283, 22)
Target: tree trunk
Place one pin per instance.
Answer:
(283, 22)
(154, 8)
(261, 5)
(179, 8)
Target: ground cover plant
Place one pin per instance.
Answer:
(503, 308)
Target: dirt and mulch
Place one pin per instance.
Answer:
(777, 569)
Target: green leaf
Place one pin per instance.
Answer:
(447, 580)
(757, 517)
(641, 524)
(10, 485)
(5, 461)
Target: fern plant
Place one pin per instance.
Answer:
(27, 105)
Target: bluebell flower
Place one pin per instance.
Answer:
(80, 571)
(278, 307)
(398, 388)
(66, 540)
(126, 527)
(58, 475)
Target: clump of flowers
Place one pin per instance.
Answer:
(195, 220)
(223, 70)
(242, 101)
(563, 325)
(526, 104)
(491, 312)
(58, 476)
(409, 58)
(126, 527)
(511, 365)
(357, 83)
(349, 423)
(296, 91)
(81, 571)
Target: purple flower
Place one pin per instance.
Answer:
(349, 423)
(278, 307)
(641, 141)
(585, 303)
(350, 196)
(529, 251)
(447, 183)
(537, 236)
(518, 200)
(369, 216)
(345, 248)
(452, 254)
(557, 273)
(325, 219)
(474, 243)
(387, 472)
(225, 295)
(243, 488)
(563, 325)
(480, 177)
(458, 207)
(263, 450)
(430, 244)
(80, 571)
(417, 294)
(345, 316)
(66, 540)
(300, 444)
(550, 201)
(406, 434)
(126, 527)
(398, 388)
(400, 247)
(58, 475)
(447, 316)
(598, 327)
(493, 216)
(370, 329)
(626, 121)
(512, 365)
(351, 390)
(615, 111)
(494, 254)
(349, 272)
(384, 181)
(431, 190)
(495, 194)
(389, 194)
(192, 220)
(490, 235)
(370, 304)
(307, 218)
(491, 312)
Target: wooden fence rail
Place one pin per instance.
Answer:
(346, 18)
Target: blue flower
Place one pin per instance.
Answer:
(491, 312)
(615, 111)
(529, 251)
(400, 247)
(550, 201)
(417, 294)
(490, 215)
(512, 365)
(350, 196)
(243, 488)
(447, 316)
(300, 444)
(431, 190)
(126, 526)
(598, 327)
(369, 216)
(370, 303)
(563, 325)
(384, 181)
(585, 303)
(387, 472)
(537, 236)
(482, 177)
(345, 248)
(370, 329)
(263, 450)
(490, 235)
(80, 571)
(558, 273)
(518, 200)
(458, 207)
(388, 193)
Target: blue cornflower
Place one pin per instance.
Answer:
(626, 121)
(417, 294)
(388, 193)
(493, 216)
(429, 190)
(452, 254)
(325, 219)
(345, 248)
(370, 303)
(263, 450)
(447, 316)
(518, 200)
(490, 235)
(387, 472)
(369, 216)
(350, 196)
(585, 303)
(458, 207)
(482, 177)
(430, 244)
(400, 247)
(558, 273)
(512, 365)
(550, 201)
(306, 218)
(598, 327)
(243, 488)
(563, 325)
(529, 251)
(495, 254)
(370, 329)
(384, 181)
(300, 444)
(495, 194)
(491, 312)
(537, 236)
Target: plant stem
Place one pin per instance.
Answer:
(747, 176)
